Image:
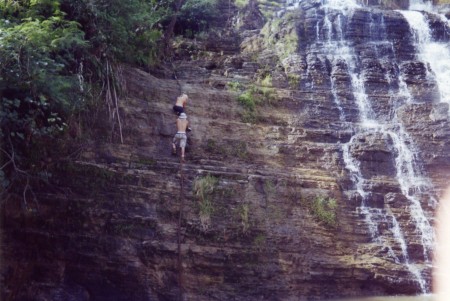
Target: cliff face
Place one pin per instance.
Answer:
(339, 108)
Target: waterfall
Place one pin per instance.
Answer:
(420, 5)
(436, 54)
(330, 35)
(412, 183)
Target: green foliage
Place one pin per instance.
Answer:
(263, 94)
(247, 100)
(121, 30)
(324, 209)
(294, 80)
(35, 55)
(266, 89)
(266, 81)
(250, 116)
(203, 191)
(38, 85)
(33, 8)
(35, 59)
(234, 86)
(195, 16)
(241, 3)
(254, 96)
(280, 34)
(244, 217)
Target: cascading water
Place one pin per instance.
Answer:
(330, 37)
(436, 54)
(342, 50)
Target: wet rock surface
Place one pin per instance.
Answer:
(111, 232)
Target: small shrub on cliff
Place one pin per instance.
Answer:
(244, 216)
(324, 209)
(234, 86)
(294, 80)
(249, 116)
(241, 3)
(266, 89)
(247, 100)
(255, 95)
(266, 81)
(203, 190)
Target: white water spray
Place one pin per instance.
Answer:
(435, 54)
(407, 173)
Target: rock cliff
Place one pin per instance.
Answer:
(317, 136)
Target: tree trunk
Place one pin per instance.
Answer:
(169, 31)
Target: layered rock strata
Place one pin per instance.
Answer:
(111, 231)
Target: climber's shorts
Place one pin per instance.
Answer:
(180, 138)
(178, 110)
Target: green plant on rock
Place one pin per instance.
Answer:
(324, 209)
(234, 86)
(290, 44)
(280, 34)
(204, 188)
(244, 217)
(268, 94)
(247, 100)
(249, 116)
(294, 80)
(266, 81)
(241, 3)
(255, 95)
(266, 89)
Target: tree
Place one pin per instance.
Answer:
(37, 84)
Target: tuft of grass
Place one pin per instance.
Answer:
(234, 86)
(294, 80)
(241, 3)
(258, 95)
(203, 190)
(247, 100)
(244, 215)
(250, 117)
(324, 209)
(266, 89)
(267, 81)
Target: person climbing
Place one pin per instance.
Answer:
(180, 137)
(180, 104)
